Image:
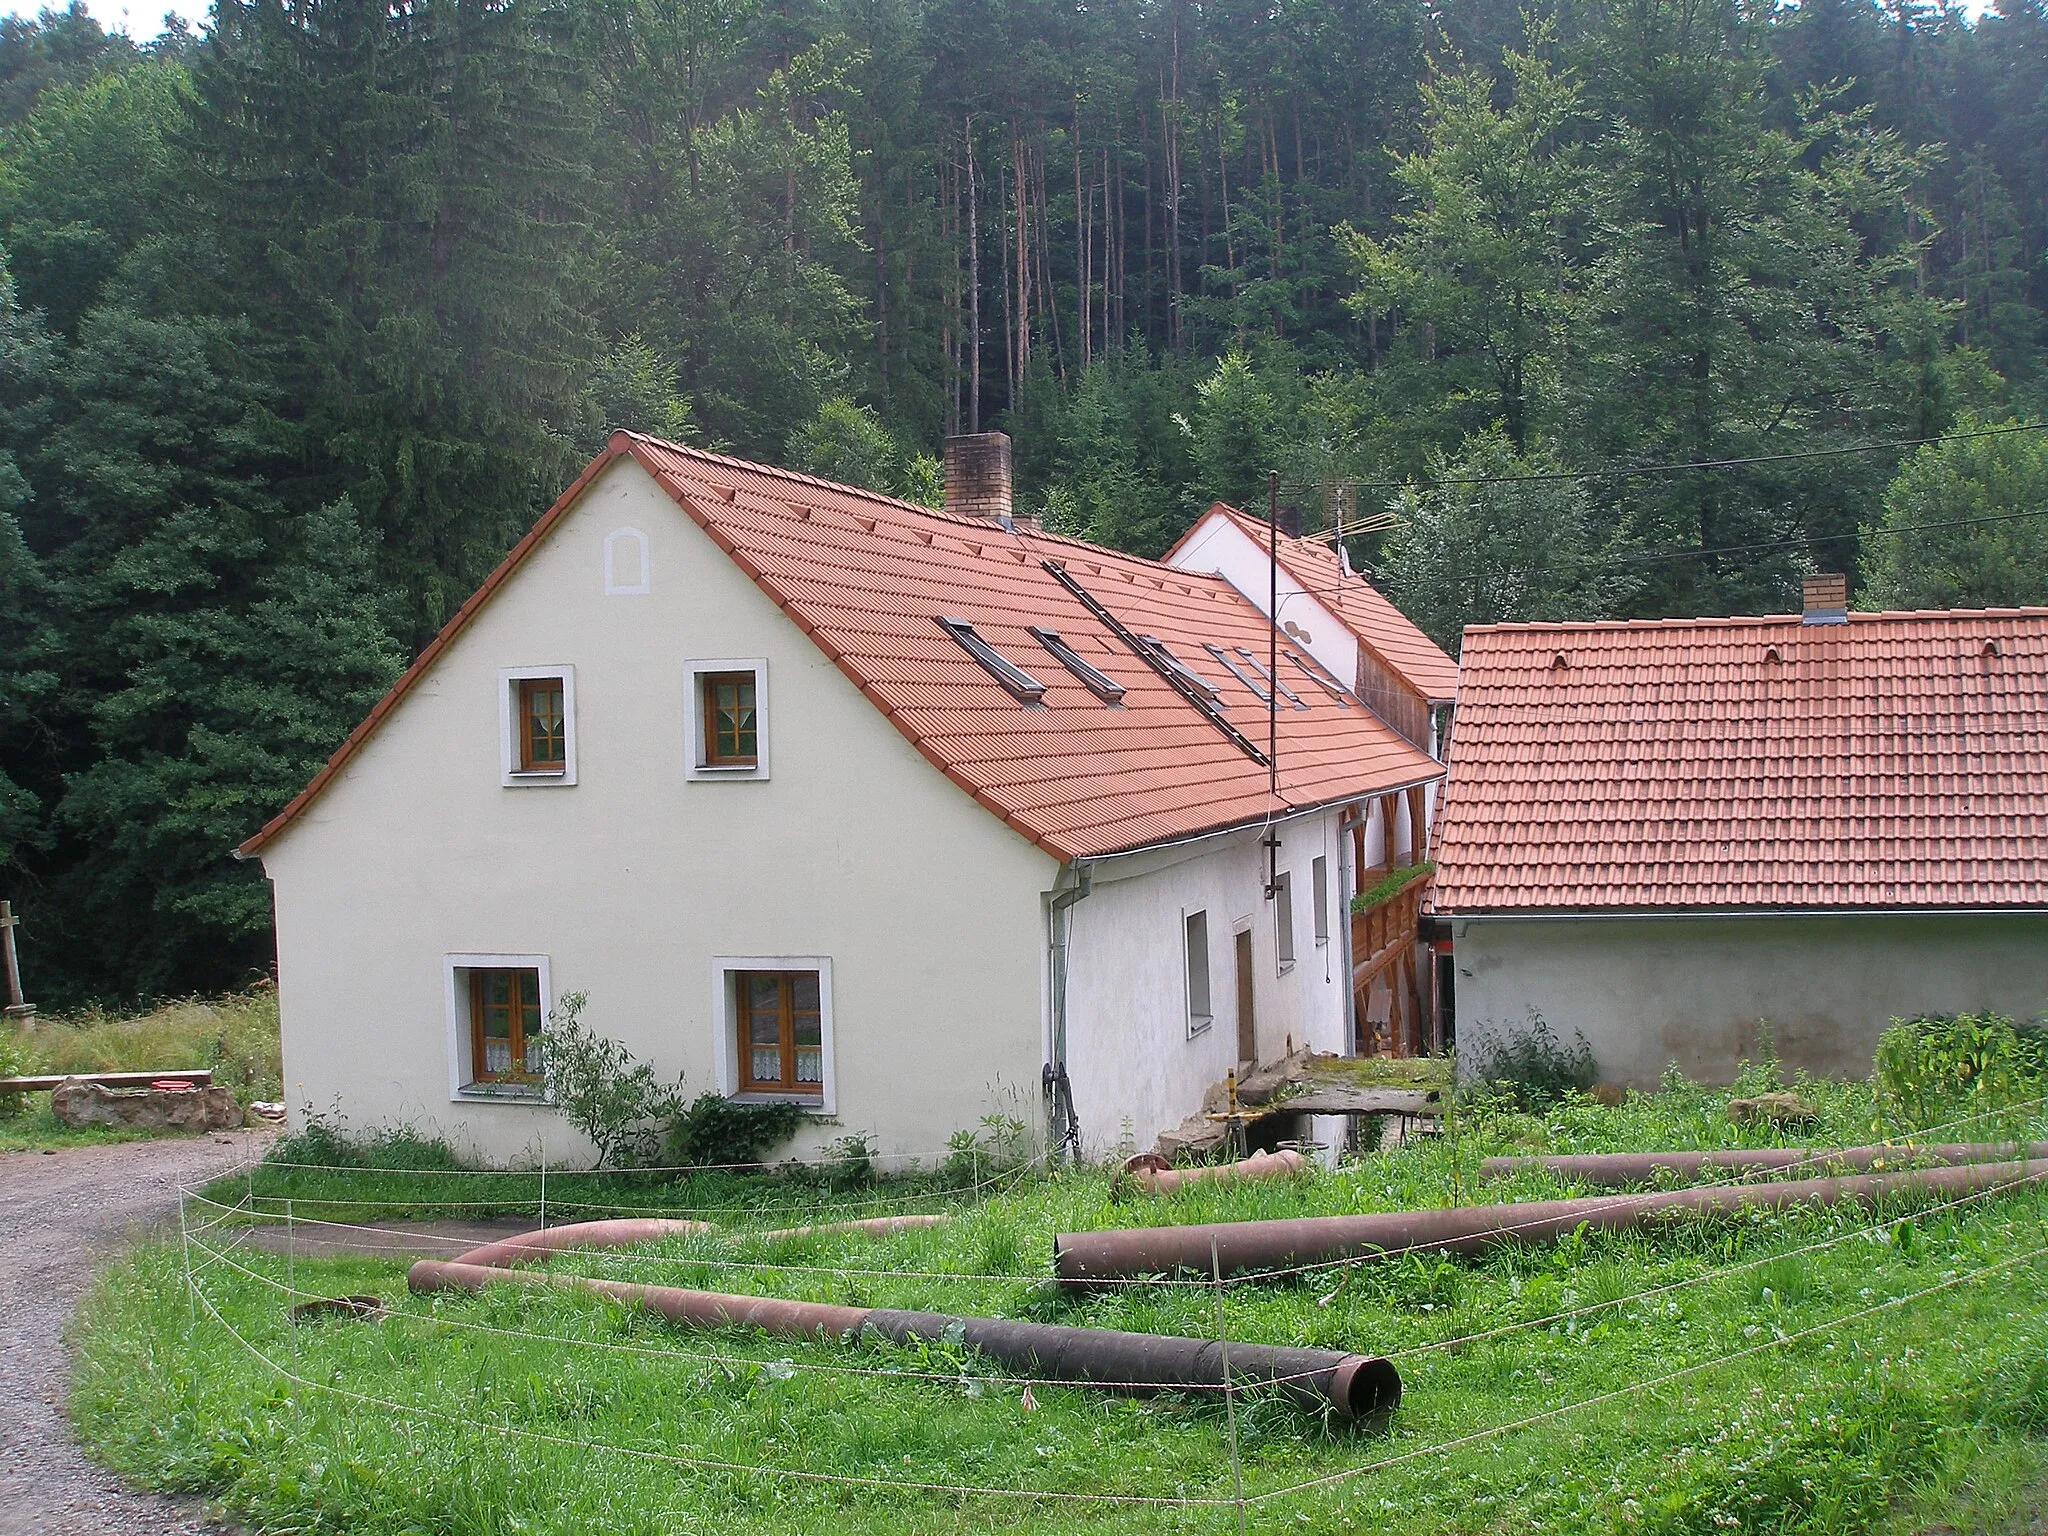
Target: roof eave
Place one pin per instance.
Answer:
(1573, 914)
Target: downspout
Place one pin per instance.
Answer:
(1063, 1130)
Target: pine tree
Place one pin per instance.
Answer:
(401, 193)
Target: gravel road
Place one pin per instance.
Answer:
(60, 1214)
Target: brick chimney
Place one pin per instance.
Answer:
(1825, 599)
(978, 476)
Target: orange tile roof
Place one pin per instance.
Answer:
(1361, 607)
(1896, 761)
(867, 577)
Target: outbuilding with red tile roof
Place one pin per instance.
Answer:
(907, 815)
(1674, 835)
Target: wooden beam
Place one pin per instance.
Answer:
(201, 1078)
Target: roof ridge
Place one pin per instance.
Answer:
(754, 466)
(940, 514)
(1742, 620)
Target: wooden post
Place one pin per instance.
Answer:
(23, 1014)
(1418, 830)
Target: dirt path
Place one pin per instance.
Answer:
(61, 1214)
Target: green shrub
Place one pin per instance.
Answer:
(1529, 1066)
(1002, 1145)
(392, 1149)
(1936, 1069)
(14, 1062)
(714, 1132)
(598, 1088)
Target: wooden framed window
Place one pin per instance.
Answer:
(505, 1023)
(732, 737)
(543, 725)
(781, 1028)
(537, 726)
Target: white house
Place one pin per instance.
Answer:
(1664, 833)
(908, 816)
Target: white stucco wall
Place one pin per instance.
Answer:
(1648, 992)
(634, 880)
(1134, 1069)
(1219, 547)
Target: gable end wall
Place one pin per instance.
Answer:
(634, 880)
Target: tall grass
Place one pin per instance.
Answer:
(1855, 1428)
(236, 1036)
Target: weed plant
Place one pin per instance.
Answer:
(521, 1409)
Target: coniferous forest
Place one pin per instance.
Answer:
(306, 315)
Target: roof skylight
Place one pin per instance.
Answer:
(1181, 669)
(1103, 686)
(1320, 678)
(1026, 688)
(1259, 667)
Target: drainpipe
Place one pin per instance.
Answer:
(1063, 1131)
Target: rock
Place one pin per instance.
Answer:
(1777, 1108)
(79, 1102)
(1193, 1137)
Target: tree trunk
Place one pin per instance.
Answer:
(973, 285)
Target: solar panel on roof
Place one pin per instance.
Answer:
(1103, 686)
(1028, 689)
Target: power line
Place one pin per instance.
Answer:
(1616, 562)
(1624, 470)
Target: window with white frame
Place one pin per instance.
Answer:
(775, 1029)
(1195, 939)
(1283, 919)
(1319, 891)
(725, 707)
(498, 1007)
(537, 725)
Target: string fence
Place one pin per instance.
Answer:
(1757, 1178)
(588, 1445)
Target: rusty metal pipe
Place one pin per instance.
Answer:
(1355, 1386)
(1084, 1257)
(1149, 1174)
(1619, 1169)
(623, 1232)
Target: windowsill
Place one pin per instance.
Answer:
(808, 1101)
(1286, 966)
(538, 775)
(505, 1093)
(1323, 942)
(738, 770)
(1200, 1026)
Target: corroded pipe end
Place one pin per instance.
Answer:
(1365, 1387)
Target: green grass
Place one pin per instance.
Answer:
(1392, 883)
(35, 1129)
(1873, 1423)
(235, 1036)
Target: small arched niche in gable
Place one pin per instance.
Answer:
(625, 563)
